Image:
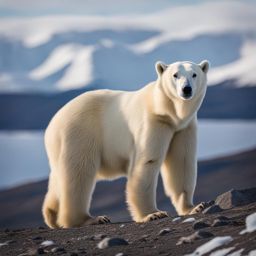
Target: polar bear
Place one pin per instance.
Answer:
(106, 134)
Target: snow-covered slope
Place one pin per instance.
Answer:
(66, 52)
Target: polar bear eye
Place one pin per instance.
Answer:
(194, 75)
(175, 75)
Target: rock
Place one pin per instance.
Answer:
(34, 251)
(37, 238)
(188, 220)
(200, 224)
(204, 234)
(176, 219)
(164, 231)
(58, 249)
(219, 223)
(73, 254)
(195, 236)
(212, 209)
(235, 198)
(109, 242)
(7, 243)
(98, 237)
(47, 243)
(221, 217)
(143, 238)
(120, 254)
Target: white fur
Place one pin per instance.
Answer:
(107, 134)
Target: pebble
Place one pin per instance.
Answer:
(176, 219)
(164, 231)
(37, 238)
(212, 209)
(47, 243)
(143, 238)
(219, 223)
(188, 220)
(73, 254)
(120, 254)
(7, 243)
(200, 224)
(58, 249)
(195, 236)
(222, 217)
(109, 242)
(98, 237)
(33, 252)
(122, 225)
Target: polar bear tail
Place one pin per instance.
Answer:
(50, 211)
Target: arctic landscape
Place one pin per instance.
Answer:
(49, 57)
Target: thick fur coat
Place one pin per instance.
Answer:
(107, 134)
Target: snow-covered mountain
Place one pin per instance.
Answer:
(56, 53)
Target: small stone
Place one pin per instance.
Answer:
(98, 237)
(40, 251)
(37, 238)
(35, 251)
(109, 242)
(195, 236)
(189, 220)
(200, 224)
(176, 219)
(120, 254)
(57, 249)
(219, 223)
(221, 217)
(122, 225)
(47, 243)
(143, 238)
(164, 231)
(73, 254)
(212, 209)
(204, 234)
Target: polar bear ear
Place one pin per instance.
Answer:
(160, 67)
(205, 65)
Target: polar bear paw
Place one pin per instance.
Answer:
(98, 220)
(201, 207)
(155, 216)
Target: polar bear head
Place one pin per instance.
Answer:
(183, 80)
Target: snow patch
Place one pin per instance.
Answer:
(211, 245)
(222, 252)
(242, 70)
(77, 75)
(80, 72)
(236, 253)
(250, 224)
(252, 253)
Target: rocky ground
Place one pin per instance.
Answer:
(221, 224)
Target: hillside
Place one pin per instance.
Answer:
(219, 233)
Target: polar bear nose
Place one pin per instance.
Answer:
(187, 90)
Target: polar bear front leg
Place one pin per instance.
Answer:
(142, 180)
(179, 171)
